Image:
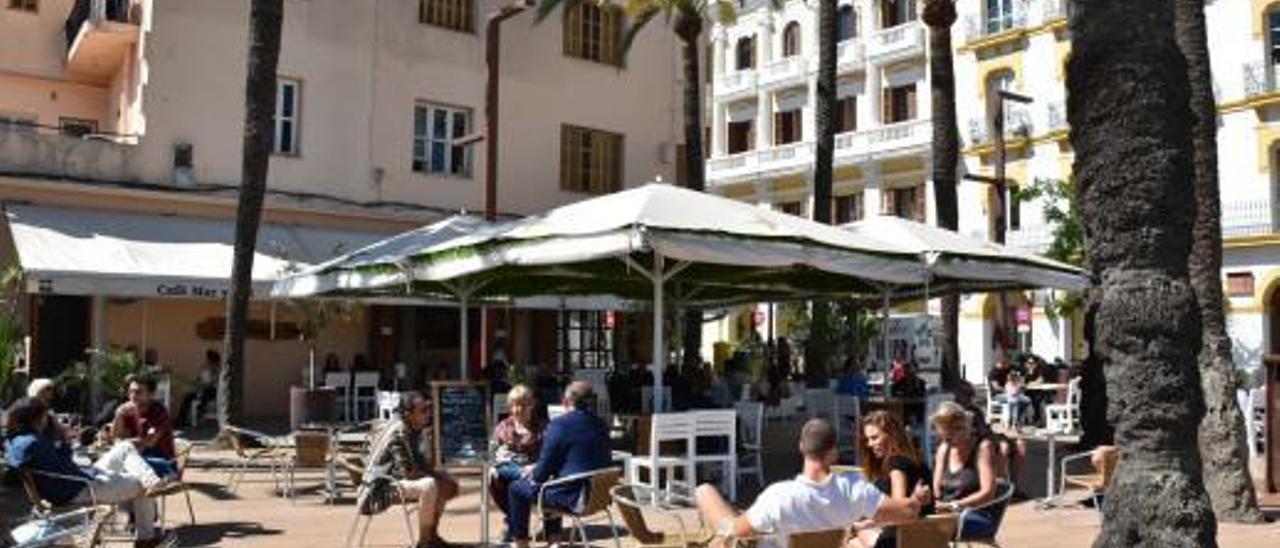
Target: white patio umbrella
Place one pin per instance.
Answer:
(636, 244)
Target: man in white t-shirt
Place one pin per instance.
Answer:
(815, 500)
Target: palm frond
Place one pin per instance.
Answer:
(638, 22)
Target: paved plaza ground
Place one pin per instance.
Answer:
(255, 516)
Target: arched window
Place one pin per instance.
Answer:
(846, 23)
(1273, 35)
(791, 39)
(745, 53)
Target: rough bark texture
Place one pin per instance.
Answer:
(1095, 430)
(1131, 129)
(265, 18)
(939, 15)
(688, 28)
(1222, 434)
(818, 347)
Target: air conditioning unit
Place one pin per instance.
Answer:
(184, 161)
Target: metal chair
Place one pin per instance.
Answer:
(340, 382)
(84, 522)
(367, 478)
(996, 507)
(627, 499)
(311, 451)
(1097, 480)
(597, 500)
(364, 395)
(177, 485)
(750, 440)
(935, 531)
(270, 451)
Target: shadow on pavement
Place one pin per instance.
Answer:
(212, 534)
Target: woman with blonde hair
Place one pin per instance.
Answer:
(964, 470)
(891, 463)
(519, 439)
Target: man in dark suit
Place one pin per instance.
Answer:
(576, 442)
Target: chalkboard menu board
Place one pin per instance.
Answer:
(461, 421)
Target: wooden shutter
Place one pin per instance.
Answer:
(572, 31)
(918, 208)
(611, 35)
(778, 119)
(566, 158)
(911, 101)
(886, 106)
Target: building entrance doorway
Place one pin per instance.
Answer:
(61, 333)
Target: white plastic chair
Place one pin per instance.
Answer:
(751, 438)
(665, 427)
(341, 384)
(848, 417)
(364, 395)
(719, 423)
(388, 404)
(819, 403)
(1065, 417)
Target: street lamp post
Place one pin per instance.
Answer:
(1001, 185)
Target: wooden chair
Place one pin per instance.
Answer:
(177, 485)
(1103, 459)
(269, 451)
(598, 499)
(931, 532)
(311, 452)
(827, 538)
(632, 512)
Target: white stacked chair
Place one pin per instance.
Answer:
(722, 424)
(388, 404)
(1065, 417)
(599, 379)
(364, 396)
(998, 411)
(751, 438)
(665, 427)
(341, 384)
(819, 403)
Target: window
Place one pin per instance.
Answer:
(791, 39)
(435, 127)
(745, 53)
(900, 103)
(846, 23)
(594, 32)
(790, 208)
(849, 208)
(590, 160)
(1001, 80)
(77, 127)
(1273, 28)
(906, 202)
(1240, 284)
(450, 14)
(741, 136)
(999, 15)
(896, 12)
(285, 133)
(847, 114)
(32, 6)
(786, 127)
(584, 339)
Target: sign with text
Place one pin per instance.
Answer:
(461, 424)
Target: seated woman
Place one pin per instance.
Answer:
(890, 462)
(145, 423)
(964, 471)
(519, 439)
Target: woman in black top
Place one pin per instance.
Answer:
(964, 471)
(890, 462)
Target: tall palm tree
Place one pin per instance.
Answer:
(265, 18)
(687, 18)
(939, 15)
(1131, 125)
(1222, 434)
(818, 347)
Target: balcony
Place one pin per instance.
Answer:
(1057, 116)
(1249, 218)
(784, 72)
(1055, 11)
(777, 160)
(898, 43)
(889, 140)
(1030, 239)
(27, 148)
(1259, 79)
(98, 34)
(850, 56)
(736, 84)
(987, 31)
(1017, 125)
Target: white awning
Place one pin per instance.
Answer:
(74, 251)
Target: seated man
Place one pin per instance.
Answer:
(401, 445)
(120, 477)
(576, 442)
(815, 500)
(145, 422)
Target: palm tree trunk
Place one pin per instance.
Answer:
(1131, 129)
(818, 348)
(939, 15)
(1222, 434)
(688, 27)
(265, 18)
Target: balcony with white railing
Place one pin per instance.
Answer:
(776, 160)
(784, 72)
(910, 137)
(851, 56)
(904, 41)
(1055, 10)
(735, 84)
(1056, 112)
(1249, 218)
(1017, 125)
(1259, 78)
(980, 27)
